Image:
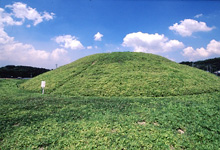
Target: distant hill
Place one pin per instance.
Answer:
(12, 71)
(211, 65)
(125, 74)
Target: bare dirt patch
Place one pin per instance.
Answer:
(143, 123)
(181, 131)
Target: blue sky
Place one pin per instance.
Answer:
(45, 33)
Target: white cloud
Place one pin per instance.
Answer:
(22, 11)
(17, 53)
(212, 49)
(199, 15)
(4, 38)
(13, 52)
(6, 18)
(48, 16)
(68, 41)
(98, 36)
(189, 26)
(57, 53)
(150, 43)
(89, 47)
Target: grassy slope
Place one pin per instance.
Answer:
(125, 74)
(35, 121)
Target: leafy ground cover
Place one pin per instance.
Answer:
(34, 121)
(125, 74)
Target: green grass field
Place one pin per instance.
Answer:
(34, 121)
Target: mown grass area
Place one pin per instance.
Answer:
(125, 74)
(34, 121)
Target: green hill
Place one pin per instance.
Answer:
(125, 74)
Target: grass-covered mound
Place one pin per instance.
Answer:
(125, 74)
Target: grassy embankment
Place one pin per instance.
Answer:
(125, 74)
(34, 121)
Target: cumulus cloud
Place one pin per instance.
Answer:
(189, 26)
(22, 11)
(13, 52)
(57, 53)
(4, 38)
(68, 41)
(98, 36)
(48, 16)
(212, 49)
(6, 19)
(150, 43)
(199, 15)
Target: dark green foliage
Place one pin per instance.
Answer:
(35, 121)
(12, 71)
(210, 65)
(125, 74)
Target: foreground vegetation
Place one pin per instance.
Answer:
(35, 121)
(125, 74)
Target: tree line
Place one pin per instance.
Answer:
(210, 65)
(11, 71)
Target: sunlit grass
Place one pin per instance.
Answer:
(35, 121)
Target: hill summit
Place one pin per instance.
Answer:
(125, 74)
